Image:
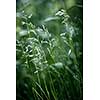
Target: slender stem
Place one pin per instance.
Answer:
(65, 6)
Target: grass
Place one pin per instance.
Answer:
(48, 66)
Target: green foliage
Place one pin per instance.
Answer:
(48, 50)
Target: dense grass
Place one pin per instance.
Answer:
(48, 57)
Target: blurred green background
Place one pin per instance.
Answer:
(45, 9)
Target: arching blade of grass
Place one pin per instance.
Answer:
(42, 90)
(37, 93)
(52, 87)
(46, 89)
(72, 73)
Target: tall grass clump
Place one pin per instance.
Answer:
(48, 64)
